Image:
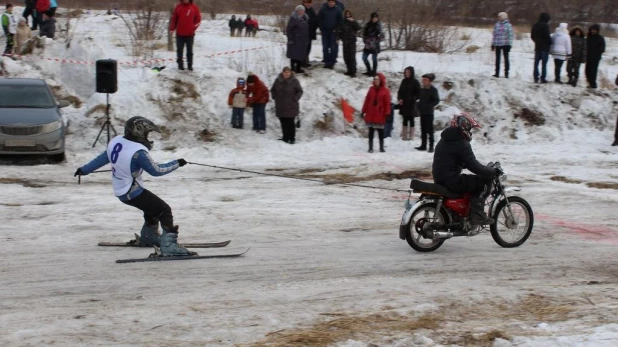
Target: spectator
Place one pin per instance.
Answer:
(240, 24)
(429, 99)
(616, 131)
(595, 45)
(256, 27)
(338, 3)
(560, 49)
(388, 127)
(297, 33)
(185, 21)
(542, 42)
(578, 54)
(53, 5)
(330, 19)
(47, 26)
(258, 98)
(30, 11)
(9, 26)
(502, 42)
(349, 29)
(237, 101)
(408, 93)
(376, 109)
(286, 91)
(22, 35)
(313, 28)
(372, 35)
(41, 7)
(248, 26)
(233, 25)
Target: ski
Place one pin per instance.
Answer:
(157, 257)
(136, 243)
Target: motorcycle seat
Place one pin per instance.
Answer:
(433, 189)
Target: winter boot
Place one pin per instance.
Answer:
(506, 74)
(368, 73)
(181, 64)
(169, 243)
(382, 146)
(149, 236)
(410, 133)
(374, 72)
(615, 143)
(478, 217)
(430, 150)
(370, 145)
(190, 62)
(574, 82)
(404, 133)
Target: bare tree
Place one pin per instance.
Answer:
(146, 25)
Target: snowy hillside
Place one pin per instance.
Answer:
(326, 266)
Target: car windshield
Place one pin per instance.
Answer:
(25, 96)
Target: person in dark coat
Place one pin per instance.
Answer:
(408, 93)
(578, 54)
(297, 32)
(233, 25)
(313, 28)
(428, 100)
(595, 48)
(372, 36)
(240, 24)
(330, 19)
(30, 11)
(47, 26)
(541, 36)
(453, 154)
(249, 26)
(349, 29)
(286, 91)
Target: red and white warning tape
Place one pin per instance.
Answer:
(140, 62)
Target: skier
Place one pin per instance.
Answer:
(129, 157)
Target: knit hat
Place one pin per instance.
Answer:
(251, 79)
(300, 8)
(22, 19)
(374, 14)
(429, 76)
(503, 16)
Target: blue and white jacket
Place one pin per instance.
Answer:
(141, 161)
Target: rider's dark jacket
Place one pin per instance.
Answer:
(453, 153)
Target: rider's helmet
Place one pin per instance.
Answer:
(465, 123)
(137, 128)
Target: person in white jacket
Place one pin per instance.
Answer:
(560, 49)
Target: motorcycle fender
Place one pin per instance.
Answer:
(407, 215)
(495, 203)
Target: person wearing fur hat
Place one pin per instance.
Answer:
(408, 93)
(541, 36)
(297, 33)
(237, 101)
(22, 34)
(428, 100)
(376, 109)
(349, 29)
(578, 54)
(595, 47)
(287, 91)
(502, 41)
(372, 36)
(258, 98)
(560, 49)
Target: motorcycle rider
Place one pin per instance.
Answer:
(453, 153)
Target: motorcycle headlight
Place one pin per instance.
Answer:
(48, 128)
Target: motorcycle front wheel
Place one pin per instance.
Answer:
(425, 214)
(512, 230)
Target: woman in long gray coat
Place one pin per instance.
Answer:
(298, 38)
(286, 91)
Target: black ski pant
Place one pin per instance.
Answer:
(558, 69)
(426, 130)
(155, 210)
(288, 127)
(504, 50)
(573, 70)
(349, 56)
(592, 69)
(181, 42)
(478, 186)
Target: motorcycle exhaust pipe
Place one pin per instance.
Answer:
(442, 235)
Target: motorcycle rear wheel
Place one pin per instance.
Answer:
(510, 233)
(418, 242)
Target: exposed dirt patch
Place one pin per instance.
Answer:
(531, 117)
(10, 205)
(60, 94)
(603, 185)
(23, 182)
(98, 108)
(565, 179)
(207, 136)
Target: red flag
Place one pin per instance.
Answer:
(348, 111)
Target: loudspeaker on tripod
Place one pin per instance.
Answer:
(107, 76)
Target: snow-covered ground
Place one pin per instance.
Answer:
(326, 266)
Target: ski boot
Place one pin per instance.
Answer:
(149, 236)
(170, 245)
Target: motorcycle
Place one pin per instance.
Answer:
(440, 214)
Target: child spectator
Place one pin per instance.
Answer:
(238, 102)
(258, 98)
(22, 35)
(429, 99)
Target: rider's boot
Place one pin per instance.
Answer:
(149, 236)
(478, 217)
(169, 243)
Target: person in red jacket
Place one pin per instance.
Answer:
(258, 98)
(41, 7)
(376, 109)
(185, 20)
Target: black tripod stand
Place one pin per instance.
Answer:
(106, 126)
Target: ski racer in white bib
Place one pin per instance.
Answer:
(129, 158)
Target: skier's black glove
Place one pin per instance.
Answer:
(182, 162)
(79, 172)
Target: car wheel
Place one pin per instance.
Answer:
(57, 158)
